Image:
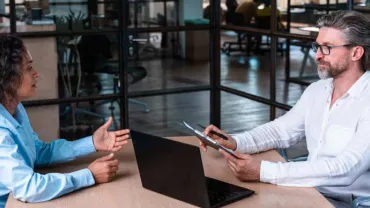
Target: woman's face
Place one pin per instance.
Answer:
(27, 87)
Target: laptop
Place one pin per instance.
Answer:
(175, 169)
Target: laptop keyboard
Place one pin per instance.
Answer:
(216, 197)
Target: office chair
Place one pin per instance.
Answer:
(228, 46)
(95, 54)
(284, 154)
(361, 202)
(264, 22)
(305, 48)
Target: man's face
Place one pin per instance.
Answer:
(337, 62)
(28, 81)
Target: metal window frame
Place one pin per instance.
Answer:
(214, 87)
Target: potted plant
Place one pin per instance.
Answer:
(76, 21)
(71, 87)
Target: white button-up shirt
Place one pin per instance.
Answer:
(338, 140)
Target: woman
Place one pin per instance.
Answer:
(20, 148)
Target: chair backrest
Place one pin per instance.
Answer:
(231, 7)
(244, 13)
(94, 52)
(263, 19)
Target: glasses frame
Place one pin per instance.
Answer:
(315, 46)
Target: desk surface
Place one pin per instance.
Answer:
(126, 189)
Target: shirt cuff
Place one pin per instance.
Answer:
(82, 178)
(84, 146)
(269, 172)
(238, 143)
(242, 141)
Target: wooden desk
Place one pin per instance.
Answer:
(126, 190)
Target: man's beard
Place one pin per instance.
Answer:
(328, 71)
(324, 73)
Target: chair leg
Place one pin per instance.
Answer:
(134, 101)
(304, 61)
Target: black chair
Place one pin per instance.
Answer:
(95, 54)
(264, 22)
(242, 38)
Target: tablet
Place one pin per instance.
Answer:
(208, 140)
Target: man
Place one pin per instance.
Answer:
(247, 10)
(333, 115)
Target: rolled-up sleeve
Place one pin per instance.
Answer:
(29, 186)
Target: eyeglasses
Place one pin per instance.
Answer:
(325, 49)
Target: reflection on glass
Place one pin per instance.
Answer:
(88, 65)
(167, 110)
(171, 59)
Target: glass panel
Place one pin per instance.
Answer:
(240, 114)
(45, 60)
(90, 67)
(75, 66)
(302, 72)
(64, 16)
(4, 17)
(361, 4)
(61, 120)
(254, 14)
(87, 115)
(172, 16)
(304, 14)
(159, 13)
(169, 60)
(167, 110)
(245, 62)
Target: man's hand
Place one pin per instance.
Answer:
(245, 169)
(113, 141)
(230, 143)
(104, 169)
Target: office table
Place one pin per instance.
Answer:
(126, 189)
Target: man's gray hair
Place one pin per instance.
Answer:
(356, 28)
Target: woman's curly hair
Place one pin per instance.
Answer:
(12, 51)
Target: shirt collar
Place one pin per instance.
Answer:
(15, 121)
(356, 89)
(329, 85)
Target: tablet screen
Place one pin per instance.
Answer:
(207, 140)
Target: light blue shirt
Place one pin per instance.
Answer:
(21, 151)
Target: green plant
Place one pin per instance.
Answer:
(73, 17)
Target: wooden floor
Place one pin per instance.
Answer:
(249, 74)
